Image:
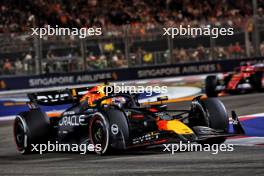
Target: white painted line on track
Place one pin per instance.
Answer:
(247, 141)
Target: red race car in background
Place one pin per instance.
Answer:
(243, 79)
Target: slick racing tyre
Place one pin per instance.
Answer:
(210, 86)
(213, 115)
(31, 127)
(257, 81)
(218, 118)
(99, 133)
(228, 78)
(21, 135)
(217, 115)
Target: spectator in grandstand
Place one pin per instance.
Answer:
(109, 47)
(98, 62)
(194, 56)
(117, 60)
(183, 56)
(201, 53)
(19, 67)
(139, 56)
(51, 64)
(28, 63)
(101, 62)
(91, 60)
(148, 58)
(220, 53)
(8, 67)
(238, 51)
(235, 51)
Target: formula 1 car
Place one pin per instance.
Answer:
(243, 79)
(121, 123)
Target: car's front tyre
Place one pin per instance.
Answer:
(211, 113)
(99, 133)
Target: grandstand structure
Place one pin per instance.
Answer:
(132, 34)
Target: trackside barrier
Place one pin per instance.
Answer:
(148, 72)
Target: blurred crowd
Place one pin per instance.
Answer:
(141, 16)
(61, 64)
(18, 15)
(116, 59)
(23, 65)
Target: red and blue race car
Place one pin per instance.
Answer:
(118, 121)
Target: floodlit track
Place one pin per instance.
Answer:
(244, 160)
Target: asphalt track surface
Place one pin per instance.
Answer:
(244, 160)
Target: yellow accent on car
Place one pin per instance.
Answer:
(74, 92)
(178, 127)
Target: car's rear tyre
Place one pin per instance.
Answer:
(210, 86)
(227, 78)
(21, 135)
(31, 127)
(257, 81)
(99, 133)
(216, 118)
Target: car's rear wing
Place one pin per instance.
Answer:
(58, 97)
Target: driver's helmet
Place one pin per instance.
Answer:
(247, 68)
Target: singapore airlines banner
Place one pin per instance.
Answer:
(63, 79)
